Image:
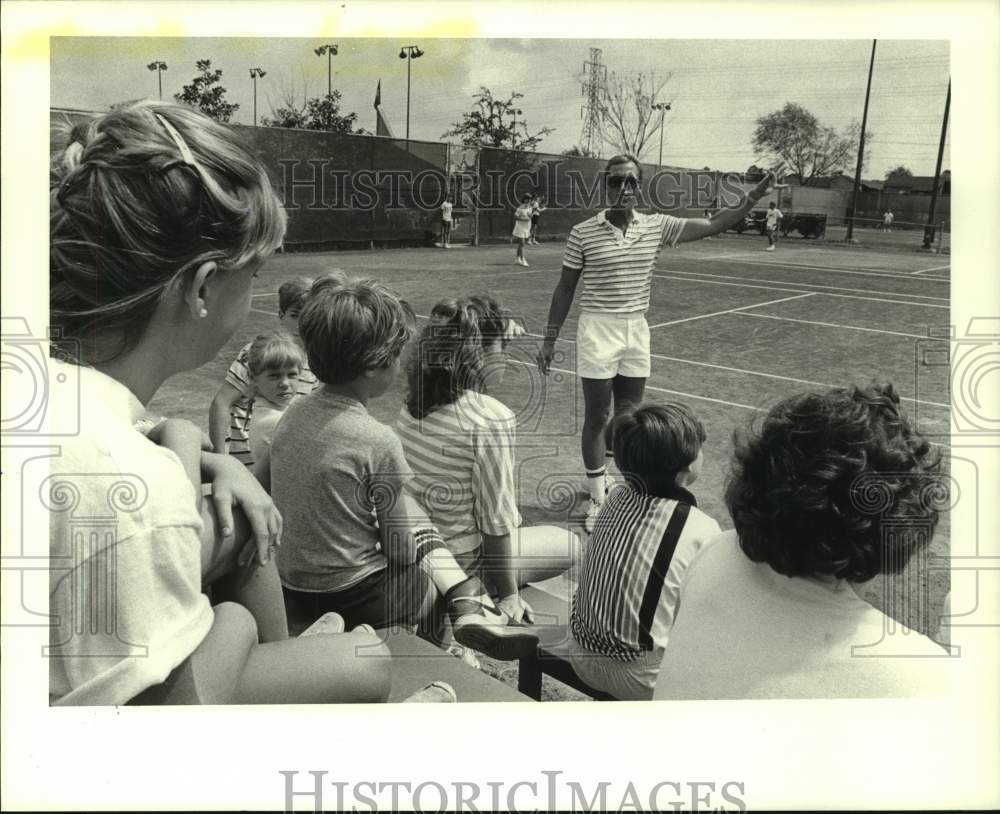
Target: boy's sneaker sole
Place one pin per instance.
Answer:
(507, 643)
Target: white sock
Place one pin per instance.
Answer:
(595, 482)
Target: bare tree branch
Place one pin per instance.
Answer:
(627, 111)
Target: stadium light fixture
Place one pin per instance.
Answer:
(663, 107)
(330, 49)
(409, 53)
(254, 74)
(159, 66)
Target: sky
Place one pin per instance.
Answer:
(717, 88)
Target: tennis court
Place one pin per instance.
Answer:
(733, 329)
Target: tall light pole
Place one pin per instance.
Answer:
(254, 73)
(663, 107)
(861, 150)
(159, 66)
(409, 53)
(331, 52)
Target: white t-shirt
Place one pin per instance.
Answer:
(124, 552)
(446, 208)
(742, 630)
(773, 216)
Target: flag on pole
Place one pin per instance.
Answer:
(382, 127)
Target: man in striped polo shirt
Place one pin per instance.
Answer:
(614, 252)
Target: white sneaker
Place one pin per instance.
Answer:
(328, 623)
(465, 654)
(592, 511)
(769, 249)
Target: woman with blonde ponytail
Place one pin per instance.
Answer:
(159, 220)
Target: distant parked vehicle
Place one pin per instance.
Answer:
(807, 225)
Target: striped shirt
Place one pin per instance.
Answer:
(618, 267)
(462, 457)
(626, 599)
(240, 414)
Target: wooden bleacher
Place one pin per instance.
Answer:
(416, 663)
(554, 641)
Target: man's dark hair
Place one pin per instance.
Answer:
(653, 443)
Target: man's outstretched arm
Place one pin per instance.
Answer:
(698, 228)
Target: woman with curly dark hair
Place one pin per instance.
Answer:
(460, 444)
(833, 489)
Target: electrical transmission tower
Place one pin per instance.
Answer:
(595, 74)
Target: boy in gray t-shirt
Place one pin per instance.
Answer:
(354, 541)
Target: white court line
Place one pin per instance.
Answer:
(684, 361)
(695, 396)
(835, 269)
(933, 268)
(814, 286)
(846, 327)
(652, 387)
(731, 310)
(749, 372)
(777, 288)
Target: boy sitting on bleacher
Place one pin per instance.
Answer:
(645, 535)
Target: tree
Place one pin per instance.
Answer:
(581, 152)
(318, 113)
(626, 109)
(794, 138)
(206, 94)
(496, 123)
(899, 172)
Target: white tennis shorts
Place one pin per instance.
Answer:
(609, 345)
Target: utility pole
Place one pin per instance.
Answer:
(929, 228)
(861, 150)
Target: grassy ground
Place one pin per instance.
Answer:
(733, 329)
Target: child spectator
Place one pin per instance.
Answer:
(275, 362)
(834, 489)
(355, 543)
(460, 443)
(646, 534)
(232, 408)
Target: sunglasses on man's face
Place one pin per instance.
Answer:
(618, 181)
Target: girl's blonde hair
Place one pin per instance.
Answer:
(274, 351)
(138, 197)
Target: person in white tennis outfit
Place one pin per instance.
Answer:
(614, 253)
(522, 227)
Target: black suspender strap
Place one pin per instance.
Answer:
(661, 563)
